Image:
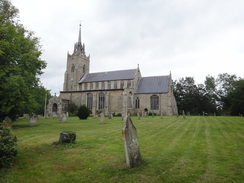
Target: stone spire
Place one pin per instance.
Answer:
(78, 46)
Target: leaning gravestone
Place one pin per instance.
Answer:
(33, 120)
(101, 118)
(64, 118)
(7, 123)
(131, 144)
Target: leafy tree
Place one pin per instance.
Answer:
(73, 109)
(83, 112)
(20, 64)
(235, 98)
(193, 98)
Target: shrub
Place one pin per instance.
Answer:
(83, 112)
(8, 147)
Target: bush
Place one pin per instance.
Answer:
(83, 112)
(8, 147)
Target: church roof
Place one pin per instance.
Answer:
(154, 84)
(109, 76)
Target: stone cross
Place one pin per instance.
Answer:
(33, 120)
(131, 144)
(101, 118)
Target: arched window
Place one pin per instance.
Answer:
(154, 102)
(101, 100)
(73, 68)
(89, 101)
(84, 68)
(137, 103)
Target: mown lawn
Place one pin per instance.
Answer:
(198, 149)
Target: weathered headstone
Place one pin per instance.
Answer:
(7, 122)
(64, 118)
(131, 144)
(66, 137)
(33, 120)
(138, 115)
(161, 115)
(184, 116)
(101, 118)
(26, 115)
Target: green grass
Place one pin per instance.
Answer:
(198, 149)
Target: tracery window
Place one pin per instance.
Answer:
(101, 101)
(137, 103)
(89, 101)
(154, 102)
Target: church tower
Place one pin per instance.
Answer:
(78, 64)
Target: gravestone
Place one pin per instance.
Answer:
(138, 115)
(131, 144)
(184, 116)
(101, 118)
(66, 137)
(64, 118)
(161, 115)
(7, 123)
(33, 120)
(26, 115)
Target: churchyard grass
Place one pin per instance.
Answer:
(198, 149)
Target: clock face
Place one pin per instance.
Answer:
(71, 79)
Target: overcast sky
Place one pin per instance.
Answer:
(193, 38)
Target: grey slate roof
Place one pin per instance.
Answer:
(154, 84)
(109, 76)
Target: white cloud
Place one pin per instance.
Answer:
(188, 37)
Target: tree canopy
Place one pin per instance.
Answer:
(20, 66)
(223, 95)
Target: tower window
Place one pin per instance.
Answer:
(84, 68)
(73, 68)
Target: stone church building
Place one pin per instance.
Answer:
(112, 92)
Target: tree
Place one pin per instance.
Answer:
(20, 64)
(193, 98)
